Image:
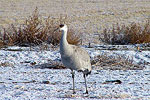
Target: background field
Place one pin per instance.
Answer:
(87, 16)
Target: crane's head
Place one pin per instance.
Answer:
(63, 27)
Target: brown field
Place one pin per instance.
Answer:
(87, 16)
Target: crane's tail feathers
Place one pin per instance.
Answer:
(86, 72)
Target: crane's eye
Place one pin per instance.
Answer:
(61, 25)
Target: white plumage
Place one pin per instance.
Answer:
(74, 57)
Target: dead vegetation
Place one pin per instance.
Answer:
(132, 34)
(50, 65)
(35, 31)
(115, 63)
(6, 64)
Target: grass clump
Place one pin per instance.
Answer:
(35, 31)
(115, 63)
(131, 34)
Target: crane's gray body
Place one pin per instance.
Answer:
(74, 57)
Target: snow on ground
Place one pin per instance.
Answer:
(18, 80)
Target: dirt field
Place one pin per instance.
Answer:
(89, 16)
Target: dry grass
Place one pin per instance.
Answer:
(131, 34)
(35, 31)
(6, 64)
(115, 63)
(51, 65)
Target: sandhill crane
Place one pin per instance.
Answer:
(74, 57)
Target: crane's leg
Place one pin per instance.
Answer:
(85, 83)
(72, 72)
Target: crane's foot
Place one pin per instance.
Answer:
(74, 92)
(86, 92)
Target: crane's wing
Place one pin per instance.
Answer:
(83, 59)
(81, 53)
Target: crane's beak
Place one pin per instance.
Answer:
(56, 29)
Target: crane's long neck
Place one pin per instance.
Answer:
(64, 37)
(63, 43)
